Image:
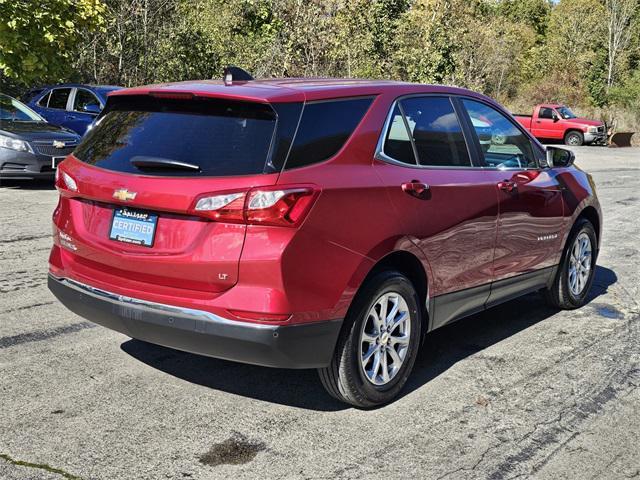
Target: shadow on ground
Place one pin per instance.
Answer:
(301, 388)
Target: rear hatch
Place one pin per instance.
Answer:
(129, 192)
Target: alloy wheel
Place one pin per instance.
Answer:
(579, 264)
(384, 340)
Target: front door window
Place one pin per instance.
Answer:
(503, 144)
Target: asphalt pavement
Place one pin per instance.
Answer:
(521, 390)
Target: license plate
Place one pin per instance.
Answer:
(132, 226)
(55, 161)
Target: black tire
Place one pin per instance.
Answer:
(344, 378)
(559, 294)
(574, 138)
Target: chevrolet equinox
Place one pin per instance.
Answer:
(314, 223)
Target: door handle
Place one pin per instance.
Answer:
(416, 189)
(508, 186)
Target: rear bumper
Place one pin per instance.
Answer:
(196, 331)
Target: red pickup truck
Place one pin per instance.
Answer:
(558, 122)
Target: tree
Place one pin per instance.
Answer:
(428, 38)
(575, 36)
(491, 54)
(619, 26)
(534, 13)
(38, 38)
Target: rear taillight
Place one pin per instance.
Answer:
(281, 206)
(225, 207)
(65, 182)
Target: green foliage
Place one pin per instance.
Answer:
(37, 39)
(534, 13)
(519, 51)
(427, 39)
(628, 94)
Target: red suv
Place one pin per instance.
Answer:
(308, 223)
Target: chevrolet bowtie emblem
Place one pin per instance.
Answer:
(124, 195)
(58, 144)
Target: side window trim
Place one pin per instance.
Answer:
(379, 153)
(383, 157)
(469, 133)
(476, 140)
(405, 122)
(72, 97)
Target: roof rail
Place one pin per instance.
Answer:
(233, 73)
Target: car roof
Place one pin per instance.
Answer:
(80, 85)
(290, 89)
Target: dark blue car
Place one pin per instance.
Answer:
(69, 105)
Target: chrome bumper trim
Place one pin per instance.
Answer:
(158, 307)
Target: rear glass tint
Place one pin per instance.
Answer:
(59, 98)
(436, 131)
(324, 128)
(152, 136)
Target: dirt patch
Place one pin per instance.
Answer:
(235, 450)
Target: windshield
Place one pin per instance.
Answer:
(11, 110)
(566, 113)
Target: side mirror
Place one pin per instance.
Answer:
(555, 117)
(92, 108)
(559, 157)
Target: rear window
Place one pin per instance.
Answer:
(152, 136)
(324, 128)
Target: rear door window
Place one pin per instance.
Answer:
(436, 132)
(397, 144)
(324, 128)
(171, 137)
(44, 100)
(59, 98)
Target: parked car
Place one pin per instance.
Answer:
(69, 105)
(29, 146)
(324, 224)
(558, 122)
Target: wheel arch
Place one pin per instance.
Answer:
(408, 264)
(590, 213)
(572, 129)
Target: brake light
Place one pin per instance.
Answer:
(279, 206)
(172, 95)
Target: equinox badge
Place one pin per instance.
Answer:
(124, 195)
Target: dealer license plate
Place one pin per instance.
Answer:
(132, 226)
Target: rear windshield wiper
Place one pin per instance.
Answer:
(158, 163)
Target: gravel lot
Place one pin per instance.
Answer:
(517, 391)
